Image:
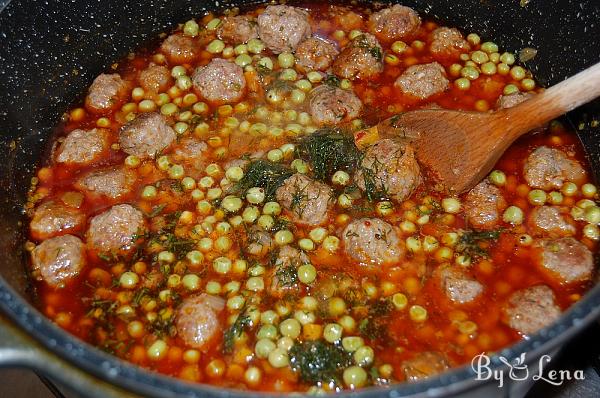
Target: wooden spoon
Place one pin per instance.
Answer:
(459, 148)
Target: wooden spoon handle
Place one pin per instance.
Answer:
(555, 101)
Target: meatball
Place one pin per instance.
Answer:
(220, 81)
(484, 205)
(283, 278)
(514, 99)
(531, 309)
(448, 42)
(394, 23)
(155, 78)
(258, 242)
(308, 200)
(52, 218)
(82, 146)
(548, 221)
(58, 260)
(191, 151)
(197, 320)
(423, 81)
(360, 59)
(388, 169)
(113, 182)
(238, 29)
(566, 258)
(179, 49)
(315, 53)
(423, 365)
(332, 105)
(106, 93)
(146, 135)
(458, 285)
(282, 28)
(372, 241)
(115, 229)
(549, 168)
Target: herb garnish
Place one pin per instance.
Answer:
(318, 361)
(235, 331)
(469, 242)
(263, 174)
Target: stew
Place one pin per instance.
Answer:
(218, 209)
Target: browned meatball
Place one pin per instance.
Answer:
(566, 258)
(308, 200)
(458, 285)
(447, 42)
(362, 58)
(372, 241)
(115, 229)
(106, 93)
(332, 105)
(238, 29)
(388, 170)
(155, 78)
(484, 205)
(315, 53)
(423, 81)
(514, 99)
(424, 365)
(528, 310)
(112, 182)
(58, 260)
(549, 168)
(548, 221)
(282, 28)
(197, 320)
(220, 81)
(82, 146)
(283, 279)
(146, 135)
(52, 218)
(179, 49)
(394, 23)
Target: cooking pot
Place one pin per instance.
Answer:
(51, 51)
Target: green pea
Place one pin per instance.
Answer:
(231, 203)
(569, 189)
(255, 46)
(307, 273)
(288, 75)
(255, 284)
(169, 109)
(513, 215)
(331, 244)
(184, 83)
(503, 69)
(275, 155)
(264, 347)
(498, 178)
(473, 38)
(222, 265)
(284, 237)
(216, 46)
(266, 221)
(517, 72)
(191, 28)
(469, 72)
(479, 57)
(592, 215)
(176, 171)
(462, 83)
(149, 192)
(318, 234)
(537, 197)
(306, 244)
(528, 84)
(510, 89)
(255, 195)
(286, 60)
(355, 377)
(267, 332)
(591, 231)
(213, 24)
(364, 356)
(507, 58)
(240, 49)
(332, 332)
(489, 68)
(352, 343)
(399, 47)
(272, 208)
(266, 62)
(489, 47)
(297, 96)
(243, 60)
(314, 77)
(290, 328)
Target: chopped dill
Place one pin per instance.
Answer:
(235, 331)
(264, 174)
(469, 242)
(332, 80)
(329, 150)
(318, 361)
(287, 275)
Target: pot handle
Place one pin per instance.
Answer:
(19, 350)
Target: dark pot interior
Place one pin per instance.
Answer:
(51, 51)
